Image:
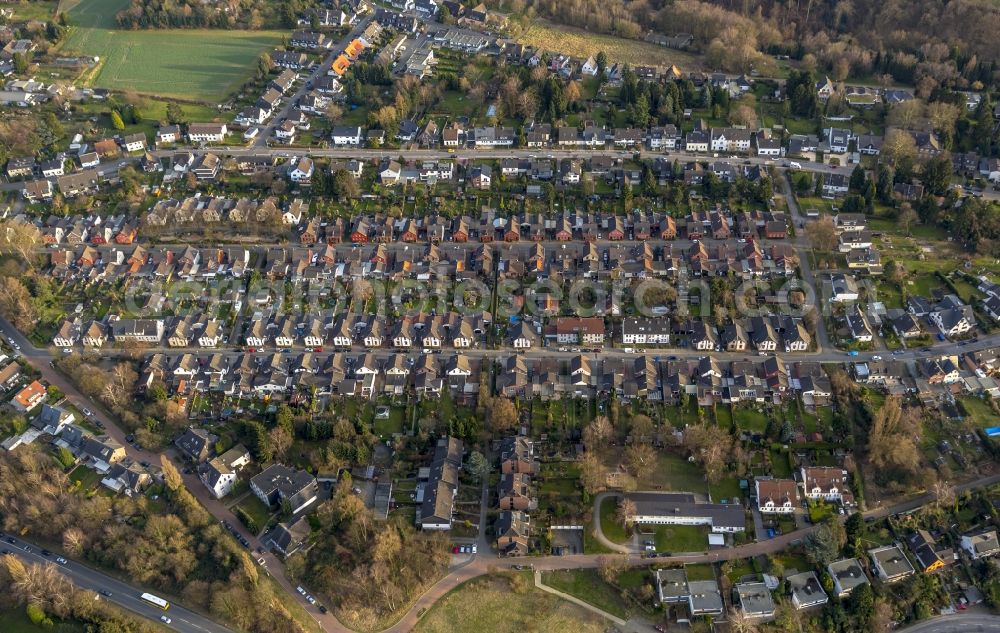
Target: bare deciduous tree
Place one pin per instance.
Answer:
(597, 432)
(626, 512)
(611, 566)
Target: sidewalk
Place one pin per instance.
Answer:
(576, 601)
(632, 625)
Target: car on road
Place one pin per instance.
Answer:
(61, 560)
(310, 600)
(105, 593)
(6, 551)
(46, 552)
(16, 346)
(300, 590)
(12, 540)
(87, 412)
(322, 609)
(165, 619)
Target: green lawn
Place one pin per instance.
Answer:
(494, 604)
(780, 464)
(392, 424)
(728, 488)
(681, 538)
(16, 621)
(806, 203)
(609, 524)
(742, 567)
(200, 65)
(792, 561)
(256, 510)
(818, 512)
(979, 411)
(750, 419)
(673, 472)
(702, 571)
(588, 586)
(724, 417)
(88, 477)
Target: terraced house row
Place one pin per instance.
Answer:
(491, 226)
(424, 331)
(372, 374)
(450, 261)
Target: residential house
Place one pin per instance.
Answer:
(220, 474)
(777, 496)
(207, 132)
(197, 444)
(806, 590)
(847, 575)
(280, 485)
(890, 563)
(981, 545)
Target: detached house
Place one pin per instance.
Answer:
(220, 474)
(280, 485)
(981, 544)
(207, 132)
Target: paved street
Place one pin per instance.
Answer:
(958, 623)
(484, 561)
(289, 101)
(118, 592)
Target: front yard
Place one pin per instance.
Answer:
(610, 526)
(681, 538)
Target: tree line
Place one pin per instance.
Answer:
(175, 546)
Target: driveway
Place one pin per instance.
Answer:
(598, 532)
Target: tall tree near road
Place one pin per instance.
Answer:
(822, 234)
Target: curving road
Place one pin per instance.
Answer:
(478, 564)
(958, 623)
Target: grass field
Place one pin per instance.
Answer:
(587, 585)
(580, 43)
(198, 65)
(493, 604)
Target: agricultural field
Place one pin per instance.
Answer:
(582, 44)
(194, 65)
(503, 605)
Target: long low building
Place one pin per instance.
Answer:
(660, 508)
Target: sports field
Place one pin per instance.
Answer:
(198, 65)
